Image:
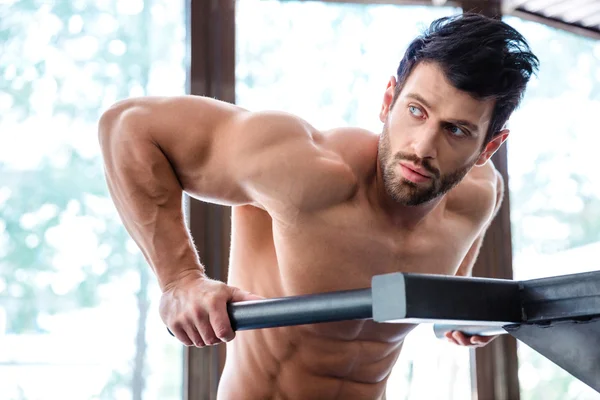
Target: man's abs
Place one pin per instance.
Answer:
(310, 362)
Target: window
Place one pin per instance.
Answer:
(78, 303)
(554, 184)
(329, 64)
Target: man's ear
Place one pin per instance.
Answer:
(492, 147)
(388, 98)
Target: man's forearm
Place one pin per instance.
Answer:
(147, 194)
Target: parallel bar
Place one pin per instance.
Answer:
(560, 297)
(396, 297)
(415, 298)
(468, 299)
(573, 297)
(298, 310)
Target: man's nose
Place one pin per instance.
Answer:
(425, 142)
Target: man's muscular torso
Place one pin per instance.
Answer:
(337, 248)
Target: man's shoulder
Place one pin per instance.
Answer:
(487, 173)
(356, 146)
(491, 184)
(479, 195)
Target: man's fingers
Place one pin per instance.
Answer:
(221, 325)
(205, 329)
(194, 336)
(475, 339)
(181, 335)
(461, 338)
(241, 295)
(448, 336)
(482, 340)
(202, 320)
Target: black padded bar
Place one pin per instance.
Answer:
(570, 297)
(560, 297)
(416, 298)
(469, 299)
(298, 310)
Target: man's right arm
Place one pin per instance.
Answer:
(152, 149)
(156, 148)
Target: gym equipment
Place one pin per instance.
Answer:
(559, 316)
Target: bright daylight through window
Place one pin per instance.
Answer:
(78, 303)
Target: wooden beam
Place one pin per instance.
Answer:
(589, 32)
(449, 3)
(495, 366)
(490, 8)
(211, 72)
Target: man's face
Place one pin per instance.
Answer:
(431, 137)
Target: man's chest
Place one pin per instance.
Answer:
(338, 252)
(345, 251)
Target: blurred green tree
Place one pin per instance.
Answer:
(115, 63)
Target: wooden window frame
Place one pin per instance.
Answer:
(210, 29)
(494, 367)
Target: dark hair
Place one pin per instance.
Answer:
(482, 56)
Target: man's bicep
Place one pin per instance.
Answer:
(184, 130)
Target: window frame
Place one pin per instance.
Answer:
(210, 35)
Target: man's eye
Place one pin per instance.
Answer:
(415, 111)
(456, 131)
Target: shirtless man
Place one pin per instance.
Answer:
(317, 211)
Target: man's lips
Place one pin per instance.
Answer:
(414, 174)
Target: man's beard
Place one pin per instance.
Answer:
(408, 193)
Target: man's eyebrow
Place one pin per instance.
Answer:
(469, 125)
(419, 98)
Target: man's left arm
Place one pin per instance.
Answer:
(466, 266)
(466, 269)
